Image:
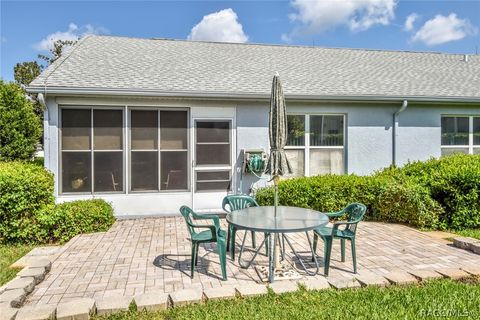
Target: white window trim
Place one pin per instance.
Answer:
(470, 145)
(306, 147)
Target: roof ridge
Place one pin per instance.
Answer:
(285, 45)
(63, 58)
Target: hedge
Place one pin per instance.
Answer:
(28, 213)
(438, 193)
(386, 200)
(454, 182)
(25, 190)
(71, 218)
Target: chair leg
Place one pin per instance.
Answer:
(228, 237)
(266, 243)
(328, 253)
(342, 242)
(222, 253)
(354, 256)
(254, 243)
(192, 263)
(196, 254)
(315, 242)
(232, 243)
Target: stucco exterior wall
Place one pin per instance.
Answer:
(368, 142)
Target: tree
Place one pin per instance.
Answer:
(20, 126)
(57, 50)
(25, 72)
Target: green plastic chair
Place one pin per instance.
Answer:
(354, 213)
(212, 234)
(237, 202)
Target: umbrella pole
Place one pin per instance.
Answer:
(276, 240)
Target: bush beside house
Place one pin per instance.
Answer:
(28, 213)
(439, 193)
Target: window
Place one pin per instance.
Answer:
(91, 150)
(315, 144)
(212, 155)
(159, 154)
(460, 134)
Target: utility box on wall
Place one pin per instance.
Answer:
(254, 160)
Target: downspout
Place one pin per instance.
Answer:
(395, 131)
(41, 99)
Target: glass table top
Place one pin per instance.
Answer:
(287, 219)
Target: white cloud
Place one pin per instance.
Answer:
(443, 29)
(73, 33)
(408, 26)
(220, 26)
(316, 16)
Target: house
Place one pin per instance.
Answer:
(152, 124)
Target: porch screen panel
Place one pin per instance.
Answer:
(76, 163)
(108, 150)
(144, 150)
(173, 150)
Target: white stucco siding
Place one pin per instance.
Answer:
(419, 131)
(368, 141)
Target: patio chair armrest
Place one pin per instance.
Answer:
(342, 223)
(212, 228)
(335, 214)
(215, 218)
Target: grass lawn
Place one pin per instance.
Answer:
(473, 233)
(8, 255)
(443, 299)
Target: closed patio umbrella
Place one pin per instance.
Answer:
(277, 164)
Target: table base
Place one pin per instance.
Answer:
(274, 241)
(286, 272)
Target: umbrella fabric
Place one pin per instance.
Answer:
(277, 164)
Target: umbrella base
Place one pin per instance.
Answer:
(285, 272)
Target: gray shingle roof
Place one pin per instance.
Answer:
(106, 62)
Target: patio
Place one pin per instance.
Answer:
(153, 254)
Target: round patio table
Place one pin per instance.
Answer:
(273, 224)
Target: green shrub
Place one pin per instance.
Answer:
(28, 213)
(386, 198)
(71, 218)
(20, 126)
(454, 182)
(26, 189)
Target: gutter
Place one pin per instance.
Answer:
(395, 131)
(211, 95)
(46, 120)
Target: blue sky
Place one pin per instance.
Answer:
(28, 27)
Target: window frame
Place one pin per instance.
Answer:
(307, 147)
(213, 168)
(158, 149)
(470, 145)
(92, 150)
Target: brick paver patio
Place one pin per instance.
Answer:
(152, 254)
